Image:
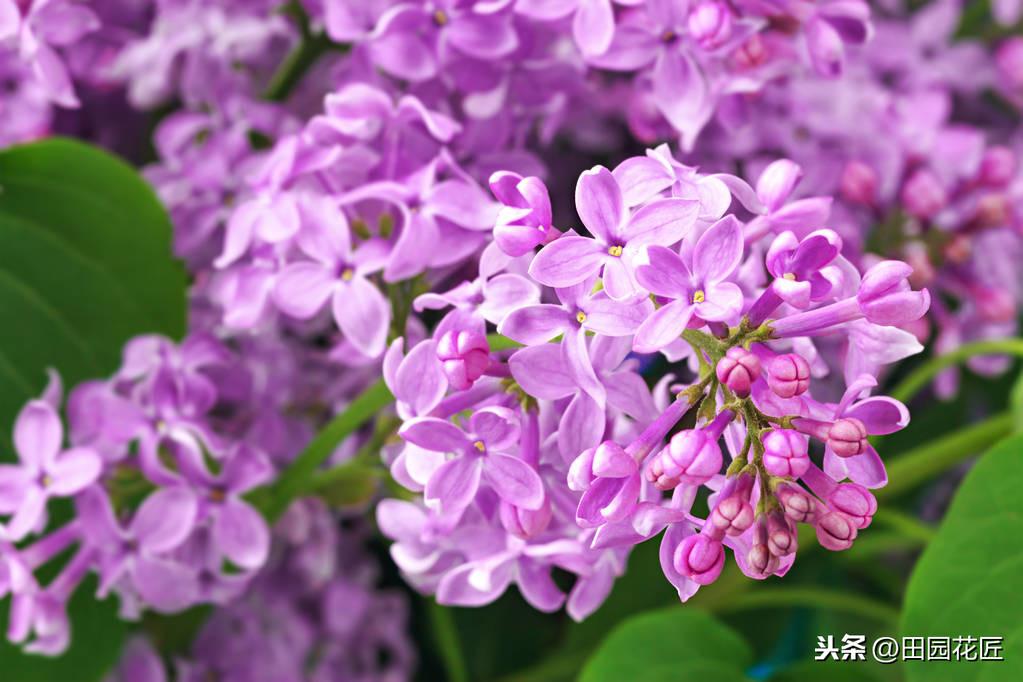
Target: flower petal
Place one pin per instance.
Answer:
(515, 481)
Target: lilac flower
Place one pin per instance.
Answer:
(409, 39)
(617, 236)
(139, 552)
(698, 288)
(46, 470)
(337, 273)
(578, 314)
(525, 222)
(239, 532)
(876, 416)
(39, 26)
(480, 453)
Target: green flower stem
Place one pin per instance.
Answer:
(922, 376)
(295, 65)
(445, 632)
(904, 525)
(295, 479)
(813, 597)
(922, 462)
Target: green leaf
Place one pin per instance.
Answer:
(969, 582)
(84, 265)
(1016, 404)
(832, 671)
(677, 643)
(97, 634)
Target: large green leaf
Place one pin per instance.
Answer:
(677, 644)
(84, 265)
(969, 582)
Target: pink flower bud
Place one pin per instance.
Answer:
(886, 298)
(997, 167)
(798, 505)
(710, 24)
(835, 531)
(788, 375)
(923, 195)
(525, 523)
(855, 501)
(786, 453)
(751, 54)
(738, 370)
(761, 561)
(781, 535)
(733, 515)
(859, 184)
(848, 437)
(692, 456)
(464, 355)
(700, 558)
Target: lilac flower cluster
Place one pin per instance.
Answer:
(312, 614)
(390, 213)
(914, 176)
(160, 456)
(554, 454)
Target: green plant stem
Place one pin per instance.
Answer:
(769, 597)
(295, 479)
(904, 525)
(295, 65)
(445, 632)
(931, 458)
(922, 375)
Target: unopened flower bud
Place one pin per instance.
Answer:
(797, 504)
(525, 523)
(700, 558)
(855, 501)
(738, 370)
(761, 561)
(710, 24)
(786, 453)
(997, 167)
(886, 298)
(733, 515)
(835, 531)
(847, 437)
(923, 195)
(692, 456)
(781, 535)
(859, 184)
(751, 54)
(464, 355)
(788, 375)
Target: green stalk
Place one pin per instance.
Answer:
(295, 65)
(922, 375)
(445, 633)
(932, 458)
(295, 479)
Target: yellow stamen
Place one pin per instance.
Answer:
(47, 481)
(580, 317)
(699, 296)
(440, 17)
(615, 251)
(791, 276)
(347, 274)
(479, 446)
